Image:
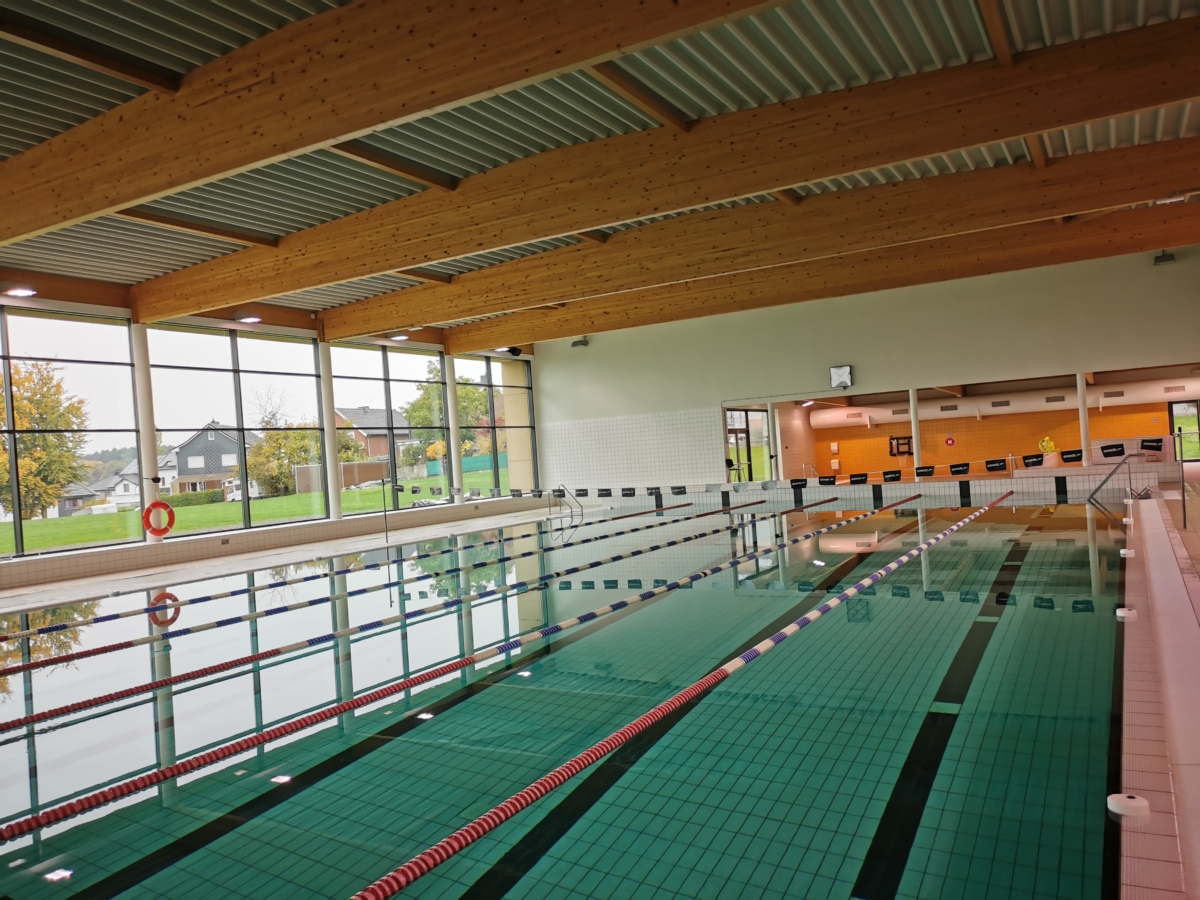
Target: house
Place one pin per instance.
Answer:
(370, 428)
(120, 489)
(208, 458)
(75, 498)
(167, 471)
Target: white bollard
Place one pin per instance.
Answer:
(1128, 806)
(1125, 614)
(1127, 554)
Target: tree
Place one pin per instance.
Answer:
(425, 411)
(272, 461)
(48, 455)
(43, 646)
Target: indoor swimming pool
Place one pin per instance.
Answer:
(950, 731)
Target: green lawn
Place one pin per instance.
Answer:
(109, 528)
(1191, 442)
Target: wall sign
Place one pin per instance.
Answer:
(925, 471)
(581, 492)
(892, 475)
(603, 492)
(826, 480)
(859, 478)
(628, 492)
(1152, 443)
(1071, 455)
(799, 482)
(560, 493)
(996, 465)
(653, 491)
(960, 468)
(950, 440)
(678, 490)
(1033, 460)
(1110, 450)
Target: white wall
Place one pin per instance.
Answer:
(600, 408)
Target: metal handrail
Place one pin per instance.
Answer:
(1124, 460)
(573, 504)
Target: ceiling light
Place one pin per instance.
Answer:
(17, 290)
(248, 317)
(818, 562)
(808, 402)
(503, 349)
(282, 779)
(524, 674)
(424, 715)
(59, 875)
(399, 337)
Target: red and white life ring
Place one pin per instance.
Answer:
(148, 521)
(167, 617)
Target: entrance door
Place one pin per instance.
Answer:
(748, 444)
(1183, 415)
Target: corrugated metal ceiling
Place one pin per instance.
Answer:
(1033, 24)
(112, 249)
(477, 261)
(174, 35)
(41, 96)
(288, 196)
(347, 292)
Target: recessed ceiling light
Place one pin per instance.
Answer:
(524, 674)
(399, 337)
(502, 349)
(818, 562)
(20, 290)
(424, 715)
(808, 402)
(59, 875)
(15, 863)
(282, 779)
(248, 317)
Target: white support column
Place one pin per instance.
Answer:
(1085, 431)
(333, 468)
(147, 433)
(776, 448)
(453, 447)
(915, 417)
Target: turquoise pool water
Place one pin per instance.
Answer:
(947, 736)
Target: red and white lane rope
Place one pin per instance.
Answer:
(401, 877)
(358, 592)
(158, 776)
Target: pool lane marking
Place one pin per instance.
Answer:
(423, 863)
(147, 780)
(217, 668)
(887, 856)
(365, 568)
(412, 579)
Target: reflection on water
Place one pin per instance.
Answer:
(42, 646)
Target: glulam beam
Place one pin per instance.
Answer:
(66, 288)
(586, 186)
(964, 256)
(321, 81)
(719, 242)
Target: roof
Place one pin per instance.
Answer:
(166, 461)
(107, 484)
(75, 490)
(369, 420)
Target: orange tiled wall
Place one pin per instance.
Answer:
(863, 450)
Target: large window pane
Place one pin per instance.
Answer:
(409, 365)
(415, 408)
(66, 337)
(351, 396)
(472, 370)
(57, 508)
(361, 362)
(422, 466)
(363, 464)
(8, 544)
(201, 478)
(284, 469)
(268, 354)
(72, 395)
(276, 401)
(191, 399)
(187, 347)
(514, 447)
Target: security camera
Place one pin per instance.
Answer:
(514, 351)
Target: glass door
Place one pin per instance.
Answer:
(1183, 416)
(748, 452)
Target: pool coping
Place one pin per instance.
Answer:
(1160, 857)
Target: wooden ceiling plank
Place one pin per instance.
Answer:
(145, 215)
(586, 186)
(69, 289)
(993, 22)
(964, 256)
(15, 30)
(428, 275)
(625, 85)
(1033, 143)
(761, 235)
(321, 81)
(395, 166)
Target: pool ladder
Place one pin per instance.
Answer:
(566, 532)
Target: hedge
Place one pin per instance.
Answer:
(196, 498)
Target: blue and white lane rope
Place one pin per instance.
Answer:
(225, 595)
(358, 592)
(404, 875)
(158, 776)
(450, 604)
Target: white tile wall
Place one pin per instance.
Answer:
(681, 447)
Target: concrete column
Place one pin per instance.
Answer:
(915, 417)
(143, 394)
(1093, 552)
(923, 537)
(343, 663)
(1085, 431)
(453, 442)
(773, 440)
(164, 711)
(333, 469)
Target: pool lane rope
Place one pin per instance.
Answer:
(148, 780)
(157, 608)
(164, 636)
(218, 668)
(400, 878)
(303, 579)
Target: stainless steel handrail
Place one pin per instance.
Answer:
(1107, 478)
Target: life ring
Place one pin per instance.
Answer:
(166, 618)
(148, 522)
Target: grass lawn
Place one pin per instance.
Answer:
(109, 528)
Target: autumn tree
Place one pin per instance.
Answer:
(272, 460)
(48, 453)
(424, 412)
(43, 646)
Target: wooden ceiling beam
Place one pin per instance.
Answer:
(720, 242)
(67, 289)
(16, 29)
(395, 166)
(625, 85)
(270, 315)
(585, 186)
(429, 276)
(321, 81)
(993, 23)
(964, 256)
(153, 218)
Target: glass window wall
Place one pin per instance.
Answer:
(495, 416)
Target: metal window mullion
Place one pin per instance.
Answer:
(10, 428)
(240, 425)
(491, 399)
(445, 429)
(537, 481)
(390, 503)
(324, 467)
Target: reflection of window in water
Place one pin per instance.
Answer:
(43, 646)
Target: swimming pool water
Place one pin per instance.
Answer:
(947, 736)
